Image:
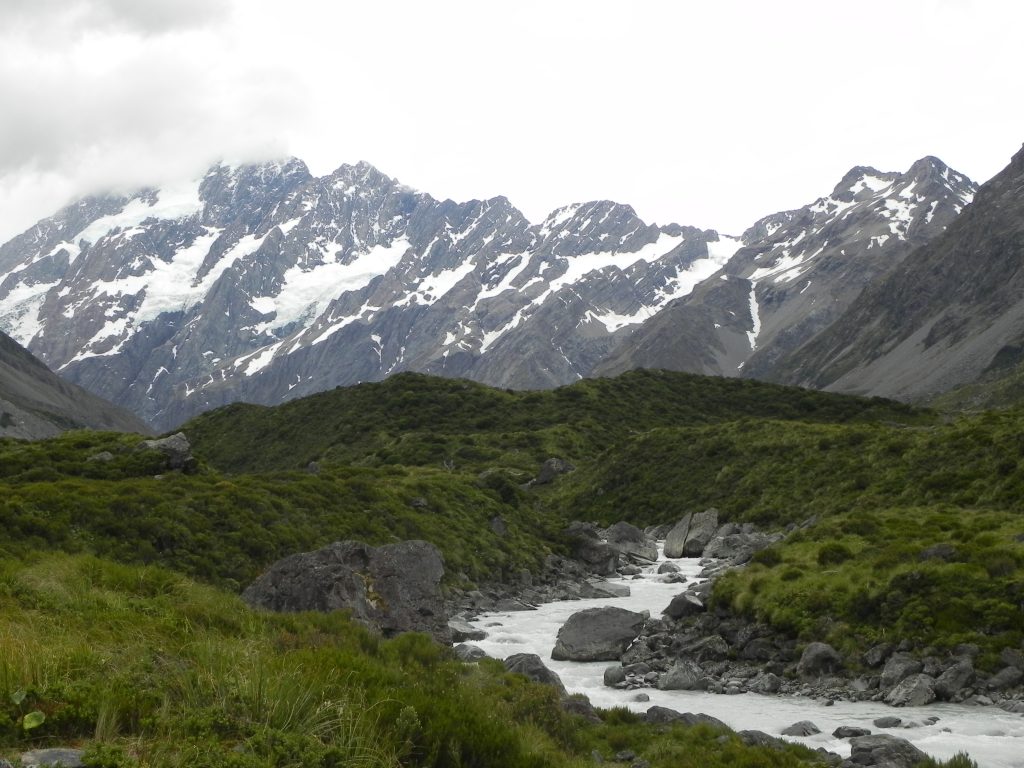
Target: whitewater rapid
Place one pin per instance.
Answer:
(992, 737)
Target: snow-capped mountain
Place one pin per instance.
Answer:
(263, 283)
(797, 272)
(951, 314)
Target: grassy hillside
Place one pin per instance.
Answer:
(413, 419)
(143, 667)
(914, 533)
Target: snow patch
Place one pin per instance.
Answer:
(755, 318)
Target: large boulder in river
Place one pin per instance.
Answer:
(587, 546)
(597, 634)
(530, 665)
(394, 588)
(691, 534)
(882, 749)
(914, 691)
(685, 604)
(630, 540)
(683, 675)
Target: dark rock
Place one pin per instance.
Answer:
(630, 540)
(766, 683)
(394, 588)
(691, 534)
(1005, 678)
(530, 665)
(914, 691)
(498, 526)
(818, 659)
(682, 605)
(581, 707)
(614, 675)
(956, 677)
(665, 716)
(641, 697)
(585, 545)
(802, 728)
(876, 655)
(849, 731)
(758, 649)
(710, 648)
(597, 634)
(462, 630)
(683, 675)
(967, 649)
(175, 448)
(899, 667)
(467, 652)
(889, 721)
(668, 568)
(418, 502)
(67, 758)
(551, 469)
(760, 739)
(885, 750)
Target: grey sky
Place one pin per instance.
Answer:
(710, 114)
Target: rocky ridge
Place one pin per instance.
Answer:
(255, 281)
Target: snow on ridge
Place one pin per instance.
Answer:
(755, 318)
(174, 201)
(307, 293)
(434, 287)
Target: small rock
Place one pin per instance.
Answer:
(849, 731)
(551, 469)
(641, 697)
(668, 568)
(614, 675)
(802, 728)
(889, 721)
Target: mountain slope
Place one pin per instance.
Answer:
(797, 272)
(36, 403)
(952, 311)
(263, 283)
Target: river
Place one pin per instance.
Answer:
(992, 737)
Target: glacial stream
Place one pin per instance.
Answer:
(992, 737)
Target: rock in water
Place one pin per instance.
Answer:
(884, 750)
(691, 534)
(959, 675)
(394, 588)
(803, 728)
(597, 634)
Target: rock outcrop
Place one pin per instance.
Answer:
(691, 534)
(393, 588)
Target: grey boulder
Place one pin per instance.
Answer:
(885, 750)
(818, 659)
(898, 667)
(392, 589)
(530, 665)
(914, 691)
(802, 728)
(691, 534)
(597, 634)
(685, 604)
(58, 756)
(683, 675)
(629, 540)
(957, 676)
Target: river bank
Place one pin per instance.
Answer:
(993, 737)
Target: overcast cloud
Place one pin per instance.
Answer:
(708, 114)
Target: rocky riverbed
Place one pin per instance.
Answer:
(690, 659)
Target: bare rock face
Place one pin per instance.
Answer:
(692, 534)
(393, 589)
(914, 691)
(597, 634)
